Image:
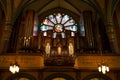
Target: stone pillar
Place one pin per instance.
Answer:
(40, 77)
(1, 75)
(111, 35)
(78, 75)
(39, 40)
(117, 75)
(6, 28)
(5, 38)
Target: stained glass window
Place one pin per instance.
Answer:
(82, 28)
(35, 28)
(59, 23)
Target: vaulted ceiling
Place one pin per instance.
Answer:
(102, 7)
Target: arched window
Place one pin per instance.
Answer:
(97, 77)
(35, 28)
(58, 23)
(21, 76)
(59, 76)
(60, 30)
(82, 28)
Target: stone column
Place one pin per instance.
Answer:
(117, 75)
(111, 35)
(6, 28)
(39, 40)
(40, 77)
(5, 38)
(1, 73)
(78, 77)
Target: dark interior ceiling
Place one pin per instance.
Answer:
(102, 7)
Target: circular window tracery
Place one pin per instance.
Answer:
(59, 23)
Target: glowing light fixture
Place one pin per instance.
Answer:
(103, 68)
(14, 68)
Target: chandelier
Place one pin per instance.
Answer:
(14, 68)
(103, 68)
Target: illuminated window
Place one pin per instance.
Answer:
(59, 78)
(97, 79)
(21, 78)
(35, 28)
(59, 23)
(82, 28)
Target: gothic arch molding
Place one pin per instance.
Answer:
(19, 75)
(75, 16)
(2, 14)
(89, 77)
(2, 3)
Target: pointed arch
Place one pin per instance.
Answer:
(3, 3)
(114, 5)
(21, 75)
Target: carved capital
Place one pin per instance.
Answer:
(7, 30)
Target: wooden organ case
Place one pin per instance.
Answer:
(59, 51)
